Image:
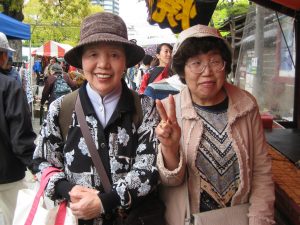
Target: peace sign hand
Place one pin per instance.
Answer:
(168, 131)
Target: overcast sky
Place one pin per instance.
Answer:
(135, 14)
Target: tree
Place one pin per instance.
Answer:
(56, 20)
(13, 8)
(227, 9)
(227, 12)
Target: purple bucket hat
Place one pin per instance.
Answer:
(104, 27)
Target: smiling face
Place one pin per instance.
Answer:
(103, 65)
(164, 55)
(206, 87)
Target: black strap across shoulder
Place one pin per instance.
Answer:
(155, 73)
(91, 146)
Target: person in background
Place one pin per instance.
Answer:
(65, 66)
(154, 62)
(16, 139)
(48, 91)
(127, 149)
(25, 79)
(130, 76)
(157, 73)
(37, 69)
(72, 68)
(223, 149)
(77, 76)
(143, 69)
(10, 70)
(47, 68)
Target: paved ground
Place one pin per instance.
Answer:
(36, 125)
(35, 117)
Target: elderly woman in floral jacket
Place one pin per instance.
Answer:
(223, 150)
(127, 149)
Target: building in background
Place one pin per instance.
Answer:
(108, 5)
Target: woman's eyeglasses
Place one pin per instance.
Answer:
(199, 67)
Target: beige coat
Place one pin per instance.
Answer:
(245, 130)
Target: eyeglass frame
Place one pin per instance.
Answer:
(205, 66)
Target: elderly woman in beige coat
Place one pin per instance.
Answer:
(222, 148)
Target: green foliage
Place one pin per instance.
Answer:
(56, 20)
(229, 8)
(12, 8)
(13, 5)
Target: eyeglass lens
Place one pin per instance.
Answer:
(199, 67)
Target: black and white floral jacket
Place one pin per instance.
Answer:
(128, 153)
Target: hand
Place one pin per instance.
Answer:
(168, 132)
(85, 202)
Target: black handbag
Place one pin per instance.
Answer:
(148, 211)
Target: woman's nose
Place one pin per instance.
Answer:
(207, 70)
(103, 62)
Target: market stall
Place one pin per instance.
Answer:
(13, 28)
(52, 49)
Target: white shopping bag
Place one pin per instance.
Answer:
(45, 214)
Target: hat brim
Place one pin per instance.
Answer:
(7, 49)
(134, 53)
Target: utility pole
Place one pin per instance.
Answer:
(259, 53)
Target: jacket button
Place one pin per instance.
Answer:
(102, 145)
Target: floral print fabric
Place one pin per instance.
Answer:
(128, 152)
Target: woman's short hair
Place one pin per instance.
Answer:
(194, 46)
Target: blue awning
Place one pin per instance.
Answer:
(13, 28)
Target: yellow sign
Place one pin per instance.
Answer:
(179, 15)
(175, 11)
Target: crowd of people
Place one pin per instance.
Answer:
(155, 121)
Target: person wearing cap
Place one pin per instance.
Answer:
(6, 56)
(55, 71)
(16, 139)
(127, 149)
(10, 70)
(223, 148)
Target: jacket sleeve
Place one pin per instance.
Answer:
(19, 124)
(176, 176)
(168, 177)
(49, 150)
(47, 89)
(262, 197)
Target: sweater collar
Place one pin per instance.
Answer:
(240, 102)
